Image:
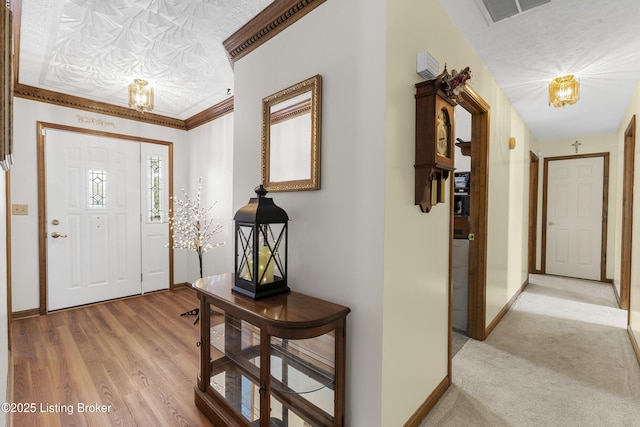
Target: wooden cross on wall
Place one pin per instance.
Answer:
(576, 145)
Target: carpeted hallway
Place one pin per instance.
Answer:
(560, 357)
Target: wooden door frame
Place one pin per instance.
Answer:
(42, 197)
(478, 217)
(534, 171)
(627, 213)
(605, 209)
(7, 189)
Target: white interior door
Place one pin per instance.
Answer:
(155, 217)
(94, 210)
(574, 217)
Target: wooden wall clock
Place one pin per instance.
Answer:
(434, 143)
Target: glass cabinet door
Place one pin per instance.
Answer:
(235, 353)
(303, 377)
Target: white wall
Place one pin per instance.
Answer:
(508, 203)
(24, 184)
(336, 233)
(210, 156)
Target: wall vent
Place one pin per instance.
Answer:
(497, 10)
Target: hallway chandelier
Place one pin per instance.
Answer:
(141, 95)
(564, 90)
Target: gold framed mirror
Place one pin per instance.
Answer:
(291, 137)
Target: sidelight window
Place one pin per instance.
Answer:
(155, 189)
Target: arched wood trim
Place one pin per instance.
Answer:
(479, 110)
(42, 197)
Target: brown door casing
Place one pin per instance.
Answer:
(479, 110)
(534, 164)
(627, 213)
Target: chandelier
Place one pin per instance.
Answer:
(140, 95)
(563, 91)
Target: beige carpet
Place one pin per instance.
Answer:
(560, 357)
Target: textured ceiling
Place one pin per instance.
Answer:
(95, 48)
(597, 40)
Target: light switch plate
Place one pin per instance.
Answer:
(19, 209)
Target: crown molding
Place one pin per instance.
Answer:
(273, 19)
(57, 98)
(212, 113)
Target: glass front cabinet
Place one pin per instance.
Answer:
(277, 361)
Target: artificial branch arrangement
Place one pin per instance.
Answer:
(191, 229)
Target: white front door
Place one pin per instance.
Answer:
(574, 217)
(93, 218)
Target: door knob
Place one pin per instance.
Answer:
(55, 235)
(551, 222)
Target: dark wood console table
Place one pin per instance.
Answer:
(278, 361)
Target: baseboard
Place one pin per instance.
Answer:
(505, 309)
(428, 404)
(181, 285)
(25, 313)
(634, 343)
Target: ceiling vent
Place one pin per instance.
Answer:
(497, 10)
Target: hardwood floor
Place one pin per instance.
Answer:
(134, 360)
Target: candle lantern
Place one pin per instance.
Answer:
(261, 247)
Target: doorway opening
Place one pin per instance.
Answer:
(460, 243)
(478, 203)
